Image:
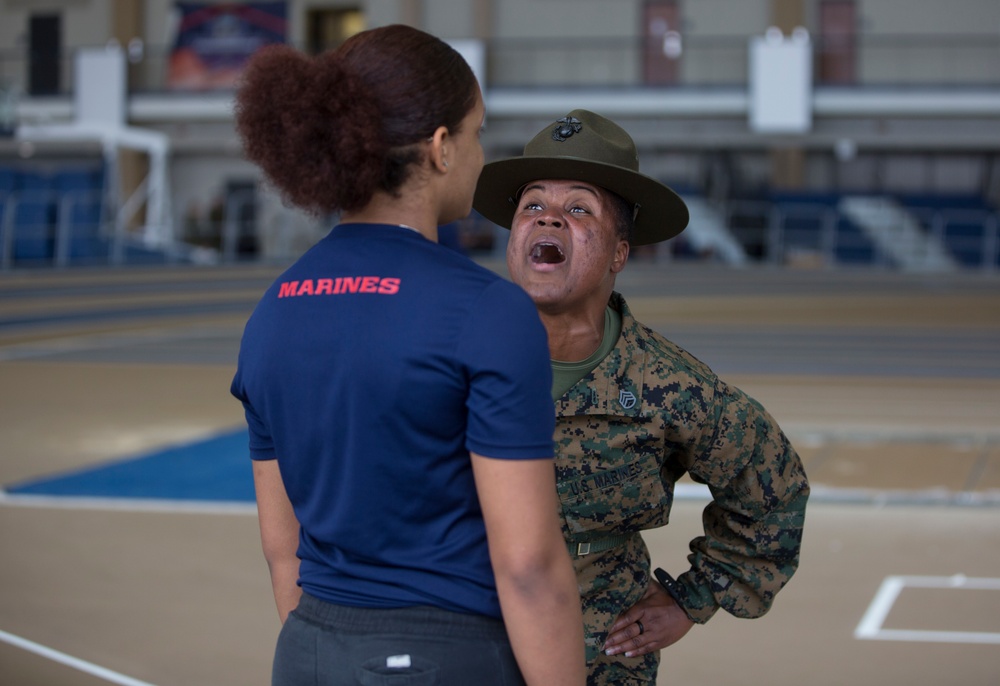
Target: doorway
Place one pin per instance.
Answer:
(837, 52)
(662, 46)
(44, 53)
(328, 28)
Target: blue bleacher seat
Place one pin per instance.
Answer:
(34, 218)
(852, 245)
(8, 178)
(804, 226)
(961, 219)
(81, 195)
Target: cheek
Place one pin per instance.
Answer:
(588, 237)
(588, 245)
(593, 251)
(516, 241)
(476, 167)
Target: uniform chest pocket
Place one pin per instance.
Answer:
(611, 484)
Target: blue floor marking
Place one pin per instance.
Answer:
(215, 469)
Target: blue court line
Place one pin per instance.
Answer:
(215, 475)
(216, 469)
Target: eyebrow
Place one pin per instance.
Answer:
(541, 187)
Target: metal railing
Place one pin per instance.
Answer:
(46, 227)
(701, 61)
(49, 228)
(790, 233)
(971, 236)
(942, 60)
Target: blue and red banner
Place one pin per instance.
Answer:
(214, 41)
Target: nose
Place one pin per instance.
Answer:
(550, 218)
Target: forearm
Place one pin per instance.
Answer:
(284, 584)
(740, 565)
(754, 524)
(535, 580)
(542, 614)
(279, 535)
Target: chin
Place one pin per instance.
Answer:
(543, 296)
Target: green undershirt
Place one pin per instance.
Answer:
(566, 374)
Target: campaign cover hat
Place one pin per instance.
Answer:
(583, 146)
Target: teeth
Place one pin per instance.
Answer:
(547, 253)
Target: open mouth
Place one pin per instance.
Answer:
(547, 253)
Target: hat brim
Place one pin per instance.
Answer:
(662, 214)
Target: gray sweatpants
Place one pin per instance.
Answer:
(333, 645)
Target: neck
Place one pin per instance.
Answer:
(404, 211)
(573, 336)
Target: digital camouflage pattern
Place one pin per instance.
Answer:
(625, 433)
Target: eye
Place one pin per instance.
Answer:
(576, 209)
(531, 206)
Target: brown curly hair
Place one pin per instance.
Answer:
(327, 131)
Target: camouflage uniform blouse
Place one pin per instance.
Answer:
(648, 413)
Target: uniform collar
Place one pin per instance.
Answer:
(614, 387)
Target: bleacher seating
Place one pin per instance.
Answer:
(852, 246)
(965, 224)
(780, 225)
(81, 199)
(811, 222)
(7, 180)
(33, 218)
(57, 216)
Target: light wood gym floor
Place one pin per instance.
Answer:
(888, 384)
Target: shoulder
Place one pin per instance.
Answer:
(506, 310)
(670, 371)
(498, 314)
(463, 271)
(661, 357)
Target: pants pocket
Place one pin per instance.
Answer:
(398, 670)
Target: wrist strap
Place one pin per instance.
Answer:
(670, 585)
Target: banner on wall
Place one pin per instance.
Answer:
(214, 41)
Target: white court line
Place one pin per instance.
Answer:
(870, 626)
(128, 504)
(63, 345)
(70, 661)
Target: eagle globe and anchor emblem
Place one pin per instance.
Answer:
(565, 128)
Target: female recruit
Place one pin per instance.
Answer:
(397, 394)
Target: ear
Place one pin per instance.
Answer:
(621, 256)
(439, 149)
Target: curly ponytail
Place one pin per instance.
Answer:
(331, 130)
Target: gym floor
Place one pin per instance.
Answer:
(129, 536)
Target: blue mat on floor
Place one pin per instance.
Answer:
(216, 469)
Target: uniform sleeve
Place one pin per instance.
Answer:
(753, 526)
(506, 352)
(261, 445)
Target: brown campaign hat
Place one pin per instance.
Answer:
(583, 146)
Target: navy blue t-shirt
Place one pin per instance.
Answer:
(369, 370)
